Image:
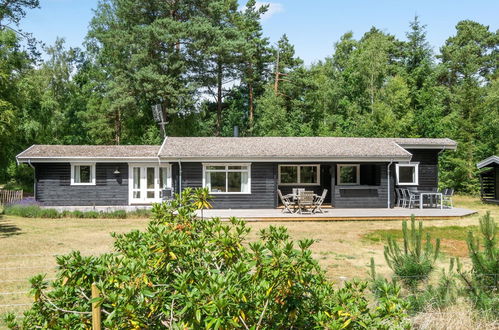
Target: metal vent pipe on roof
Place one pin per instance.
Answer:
(236, 131)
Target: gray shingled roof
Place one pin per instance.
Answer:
(89, 151)
(447, 143)
(290, 147)
(206, 148)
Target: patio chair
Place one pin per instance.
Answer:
(398, 193)
(286, 202)
(305, 202)
(297, 191)
(413, 198)
(318, 202)
(447, 197)
(405, 194)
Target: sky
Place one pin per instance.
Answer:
(312, 26)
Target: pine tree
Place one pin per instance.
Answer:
(414, 263)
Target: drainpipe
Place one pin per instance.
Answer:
(179, 178)
(34, 177)
(388, 177)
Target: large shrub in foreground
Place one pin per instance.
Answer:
(187, 272)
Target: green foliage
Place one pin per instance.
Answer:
(416, 260)
(436, 295)
(186, 272)
(35, 211)
(210, 66)
(482, 281)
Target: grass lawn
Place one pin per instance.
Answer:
(343, 248)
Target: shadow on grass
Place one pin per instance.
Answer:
(8, 229)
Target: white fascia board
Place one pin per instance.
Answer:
(429, 146)
(17, 156)
(87, 159)
(282, 159)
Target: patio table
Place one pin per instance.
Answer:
(294, 198)
(430, 194)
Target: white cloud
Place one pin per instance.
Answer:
(274, 8)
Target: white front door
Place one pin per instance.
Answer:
(146, 182)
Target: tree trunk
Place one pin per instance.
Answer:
(117, 127)
(219, 100)
(251, 106)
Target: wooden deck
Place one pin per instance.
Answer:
(332, 214)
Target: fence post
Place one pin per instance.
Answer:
(96, 323)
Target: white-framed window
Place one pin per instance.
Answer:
(227, 178)
(147, 181)
(348, 174)
(407, 174)
(300, 174)
(82, 174)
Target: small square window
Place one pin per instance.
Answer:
(348, 174)
(82, 174)
(407, 174)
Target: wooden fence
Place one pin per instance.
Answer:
(10, 196)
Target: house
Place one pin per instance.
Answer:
(489, 179)
(241, 172)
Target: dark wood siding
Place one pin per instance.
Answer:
(428, 167)
(53, 185)
(263, 186)
(374, 195)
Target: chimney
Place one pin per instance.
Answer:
(236, 131)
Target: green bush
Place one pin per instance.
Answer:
(118, 214)
(26, 211)
(48, 213)
(187, 272)
(77, 214)
(35, 211)
(139, 213)
(91, 215)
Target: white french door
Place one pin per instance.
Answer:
(146, 182)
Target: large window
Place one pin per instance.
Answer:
(82, 174)
(407, 174)
(299, 175)
(348, 174)
(227, 178)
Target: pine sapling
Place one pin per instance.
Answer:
(415, 262)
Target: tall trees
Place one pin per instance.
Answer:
(140, 47)
(209, 64)
(255, 55)
(470, 61)
(13, 11)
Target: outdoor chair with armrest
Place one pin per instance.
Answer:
(318, 202)
(286, 201)
(447, 197)
(398, 193)
(406, 195)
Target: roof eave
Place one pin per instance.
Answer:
(428, 146)
(286, 159)
(488, 161)
(84, 159)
